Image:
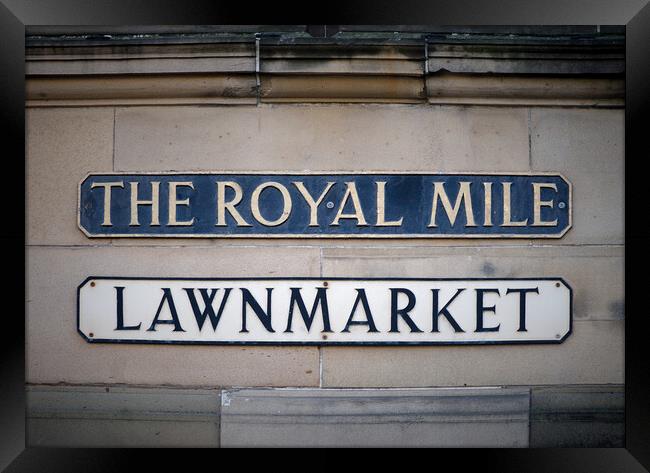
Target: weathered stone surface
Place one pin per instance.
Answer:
(489, 89)
(141, 90)
(524, 55)
(592, 354)
(118, 416)
(57, 353)
(319, 59)
(236, 88)
(595, 273)
(348, 66)
(62, 146)
(143, 59)
(87, 416)
(342, 88)
(577, 416)
(322, 138)
(387, 418)
(587, 147)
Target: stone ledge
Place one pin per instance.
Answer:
(449, 69)
(459, 89)
(535, 416)
(218, 90)
(328, 88)
(86, 416)
(141, 90)
(241, 89)
(146, 59)
(314, 34)
(341, 59)
(348, 417)
(577, 416)
(540, 58)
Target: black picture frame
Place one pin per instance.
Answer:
(635, 14)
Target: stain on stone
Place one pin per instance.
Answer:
(617, 309)
(488, 269)
(229, 92)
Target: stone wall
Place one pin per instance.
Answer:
(381, 110)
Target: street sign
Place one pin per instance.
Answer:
(332, 205)
(324, 311)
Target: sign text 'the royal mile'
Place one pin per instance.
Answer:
(325, 205)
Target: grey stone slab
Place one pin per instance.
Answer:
(494, 417)
(577, 416)
(101, 433)
(103, 416)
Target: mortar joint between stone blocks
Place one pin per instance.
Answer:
(257, 70)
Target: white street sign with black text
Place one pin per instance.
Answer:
(322, 311)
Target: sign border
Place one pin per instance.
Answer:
(323, 236)
(323, 343)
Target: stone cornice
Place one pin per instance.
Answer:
(443, 68)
